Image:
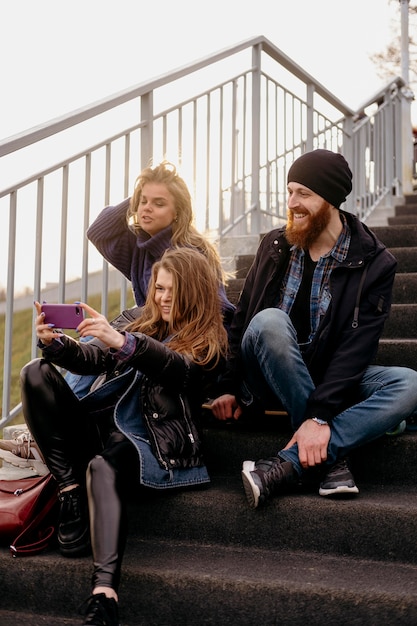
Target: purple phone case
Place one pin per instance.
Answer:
(63, 315)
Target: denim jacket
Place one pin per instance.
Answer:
(158, 394)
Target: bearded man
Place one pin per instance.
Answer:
(305, 334)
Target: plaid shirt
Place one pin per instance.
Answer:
(320, 286)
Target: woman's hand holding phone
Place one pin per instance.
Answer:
(45, 332)
(51, 318)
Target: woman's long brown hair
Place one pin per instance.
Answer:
(196, 325)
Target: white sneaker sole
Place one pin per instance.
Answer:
(338, 490)
(251, 489)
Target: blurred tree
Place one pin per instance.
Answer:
(388, 61)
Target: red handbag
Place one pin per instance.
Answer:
(28, 513)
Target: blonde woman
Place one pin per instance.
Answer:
(134, 234)
(158, 366)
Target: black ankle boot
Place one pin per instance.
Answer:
(73, 525)
(101, 611)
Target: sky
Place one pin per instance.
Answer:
(59, 55)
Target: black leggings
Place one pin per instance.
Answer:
(70, 433)
(108, 477)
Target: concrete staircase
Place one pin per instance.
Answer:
(204, 558)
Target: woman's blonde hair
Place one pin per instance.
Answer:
(184, 232)
(196, 325)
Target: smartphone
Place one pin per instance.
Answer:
(63, 315)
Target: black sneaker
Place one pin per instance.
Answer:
(73, 524)
(338, 481)
(101, 611)
(263, 478)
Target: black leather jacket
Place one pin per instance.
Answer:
(167, 388)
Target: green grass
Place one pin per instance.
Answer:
(22, 337)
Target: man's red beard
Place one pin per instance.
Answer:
(305, 234)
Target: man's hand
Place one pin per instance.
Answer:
(225, 407)
(312, 440)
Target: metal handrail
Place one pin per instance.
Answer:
(42, 131)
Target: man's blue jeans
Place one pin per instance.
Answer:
(273, 362)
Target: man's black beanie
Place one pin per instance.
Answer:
(324, 172)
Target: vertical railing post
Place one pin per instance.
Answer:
(256, 139)
(87, 193)
(388, 154)
(310, 117)
(64, 226)
(8, 327)
(146, 137)
(37, 285)
(105, 271)
(407, 97)
(348, 154)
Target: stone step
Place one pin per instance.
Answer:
(405, 288)
(400, 352)
(410, 198)
(193, 584)
(402, 219)
(233, 289)
(242, 264)
(402, 322)
(401, 236)
(406, 259)
(406, 209)
(22, 618)
(366, 526)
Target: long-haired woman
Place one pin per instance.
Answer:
(139, 424)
